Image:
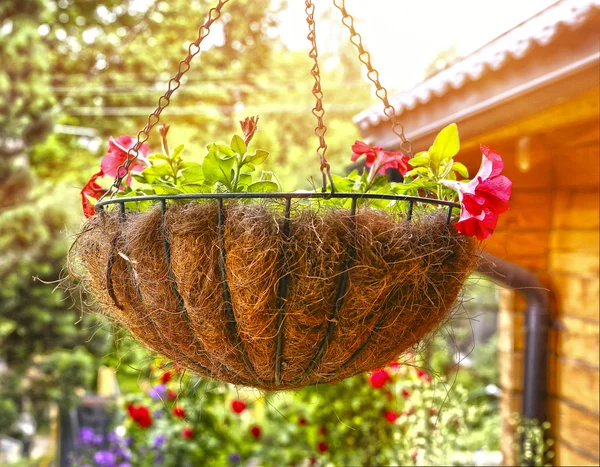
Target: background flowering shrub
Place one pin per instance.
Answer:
(398, 415)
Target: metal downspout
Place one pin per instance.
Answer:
(537, 319)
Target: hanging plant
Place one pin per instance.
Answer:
(208, 263)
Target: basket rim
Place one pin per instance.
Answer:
(282, 195)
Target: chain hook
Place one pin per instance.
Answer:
(174, 83)
(318, 110)
(373, 75)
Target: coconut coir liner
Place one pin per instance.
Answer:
(339, 295)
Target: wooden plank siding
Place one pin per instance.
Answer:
(552, 229)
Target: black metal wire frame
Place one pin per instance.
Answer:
(282, 285)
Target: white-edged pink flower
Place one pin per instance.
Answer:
(484, 198)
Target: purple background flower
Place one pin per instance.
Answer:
(159, 440)
(86, 435)
(105, 458)
(156, 392)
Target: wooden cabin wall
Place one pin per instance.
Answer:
(552, 229)
(573, 279)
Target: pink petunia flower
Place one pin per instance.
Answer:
(378, 160)
(484, 198)
(117, 155)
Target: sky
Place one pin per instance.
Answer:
(404, 36)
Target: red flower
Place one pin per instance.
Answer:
(379, 160)
(179, 411)
(117, 155)
(302, 421)
(187, 433)
(166, 377)
(322, 430)
(423, 375)
(140, 415)
(378, 378)
(395, 364)
(432, 411)
(91, 190)
(255, 432)
(322, 446)
(405, 393)
(238, 406)
(484, 198)
(391, 416)
(171, 395)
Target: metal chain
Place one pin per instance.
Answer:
(373, 75)
(174, 84)
(318, 111)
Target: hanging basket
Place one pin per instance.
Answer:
(272, 294)
(274, 290)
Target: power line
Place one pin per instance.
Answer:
(204, 110)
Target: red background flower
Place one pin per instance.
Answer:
(166, 377)
(140, 415)
(179, 411)
(255, 431)
(378, 378)
(238, 406)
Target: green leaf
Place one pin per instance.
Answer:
(262, 187)
(193, 174)
(445, 146)
(186, 164)
(139, 178)
(238, 145)
(343, 184)
(155, 172)
(166, 190)
(244, 181)
(216, 169)
(419, 161)
(257, 158)
(158, 157)
(177, 152)
(419, 171)
(461, 169)
(248, 168)
(195, 188)
(447, 168)
(266, 176)
(221, 151)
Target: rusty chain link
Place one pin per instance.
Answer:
(174, 84)
(318, 111)
(373, 75)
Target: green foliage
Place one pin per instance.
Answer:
(223, 169)
(531, 441)
(35, 320)
(8, 414)
(58, 375)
